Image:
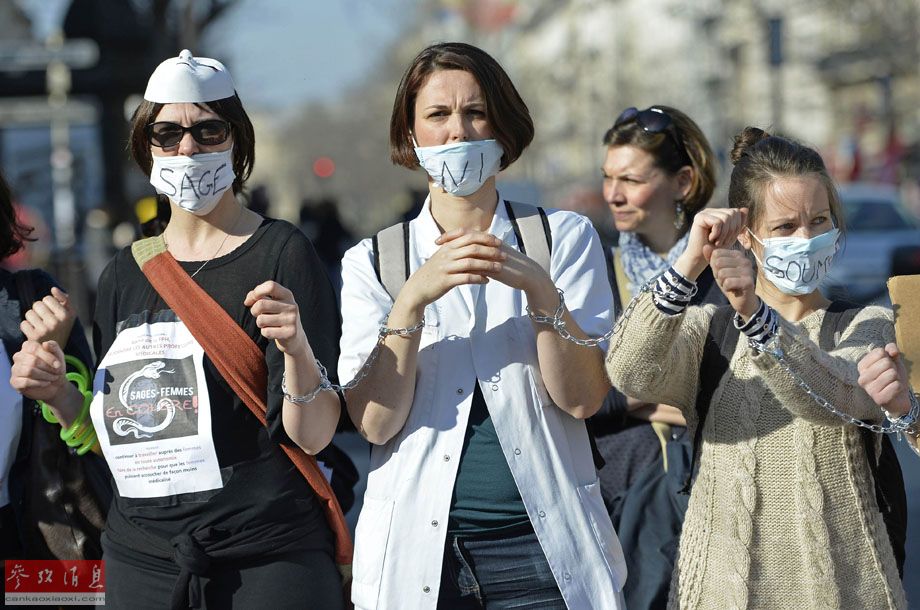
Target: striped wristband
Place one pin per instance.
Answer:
(672, 292)
(760, 328)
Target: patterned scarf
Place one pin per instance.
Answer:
(641, 264)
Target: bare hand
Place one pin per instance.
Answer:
(521, 272)
(50, 319)
(712, 228)
(883, 376)
(465, 257)
(734, 274)
(39, 370)
(277, 316)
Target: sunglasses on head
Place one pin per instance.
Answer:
(212, 132)
(652, 120)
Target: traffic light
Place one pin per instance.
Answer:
(323, 167)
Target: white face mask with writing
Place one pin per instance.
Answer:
(461, 168)
(798, 265)
(194, 183)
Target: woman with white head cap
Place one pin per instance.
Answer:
(209, 511)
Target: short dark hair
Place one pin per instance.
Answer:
(230, 109)
(506, 112)
(759, 159)
(13, 234)
(692, 149)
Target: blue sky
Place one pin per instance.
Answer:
(283, 53)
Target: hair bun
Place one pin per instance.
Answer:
(748, 137)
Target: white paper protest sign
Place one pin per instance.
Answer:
(152, 413)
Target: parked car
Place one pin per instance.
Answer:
(877, 228)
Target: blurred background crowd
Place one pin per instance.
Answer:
(318, 80)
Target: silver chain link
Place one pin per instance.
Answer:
(302, 399)
(784, 364)
(891, 428)
(646, 287)
(364, 371)
(558, 323)
(385, 331)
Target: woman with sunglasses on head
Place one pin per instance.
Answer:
(209, 511)
(482, 491)
(658, 173)
(784, 510)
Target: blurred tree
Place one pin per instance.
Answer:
(889, 33)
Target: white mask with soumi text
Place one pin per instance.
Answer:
(798, 265)
(194, 183)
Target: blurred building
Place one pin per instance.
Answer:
(838, 74)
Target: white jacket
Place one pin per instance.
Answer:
(481, 332)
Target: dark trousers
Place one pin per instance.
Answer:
(305, 580)
(497, 572)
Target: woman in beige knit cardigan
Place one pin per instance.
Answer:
(782, 513)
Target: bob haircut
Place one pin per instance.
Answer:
(506, 112)
(12, 233)
(230, 109)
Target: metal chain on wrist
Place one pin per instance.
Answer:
(893, 427)
(325, 384)
(557, 322)
(904, 423)
(772, 348)
(384, 332)
(302, 399)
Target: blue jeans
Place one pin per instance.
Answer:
(497, 572)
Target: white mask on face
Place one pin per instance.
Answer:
(798, 265)
(461, 168)
(194, 183)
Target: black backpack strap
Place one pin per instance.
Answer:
(890, 494)
(887, 478)
(612, 278)
(838, 316)
(721, 340)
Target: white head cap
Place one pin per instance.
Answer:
(189, 79)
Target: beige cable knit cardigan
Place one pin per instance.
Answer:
(783, 512)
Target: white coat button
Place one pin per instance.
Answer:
(434, 523)
(494, 387)
(517, 452)
(446, 458)
(426, 589)
(542, 515)
(567, 576)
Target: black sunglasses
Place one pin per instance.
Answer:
(652, 120)
(164, 134)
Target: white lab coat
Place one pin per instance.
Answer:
(481, 332)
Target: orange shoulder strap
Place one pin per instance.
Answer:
(239, 360)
